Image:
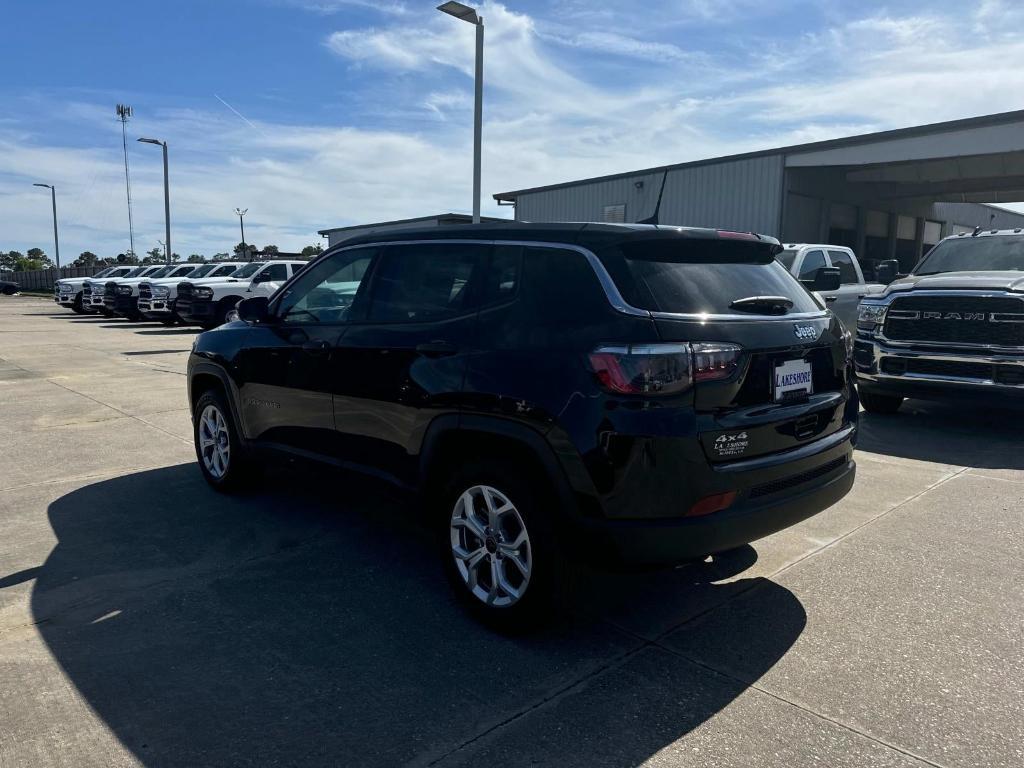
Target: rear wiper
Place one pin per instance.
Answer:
(766, 305)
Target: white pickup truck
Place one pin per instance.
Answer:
(124, 301)
(158, 297)
(805, 262)
(102, 289)
(68, 291)
(208, 302)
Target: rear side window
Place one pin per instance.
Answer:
(423, 283)
(701, 276)
(502, 278)
(847, 272)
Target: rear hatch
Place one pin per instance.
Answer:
(781, 379)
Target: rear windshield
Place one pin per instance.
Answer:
(975, 254)
(702, 276)
(786, 258)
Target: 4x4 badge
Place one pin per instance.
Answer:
(805, 331)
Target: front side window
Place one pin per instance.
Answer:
(247, 270)
(813, 261)
(847, 271)
(424, 283)
(181, 271)
(278, 273)
(205, 269)
(327, 292)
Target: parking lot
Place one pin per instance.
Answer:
(146, 620)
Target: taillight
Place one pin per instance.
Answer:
(662, 369)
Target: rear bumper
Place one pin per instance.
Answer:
(773, 493)
(938, 374)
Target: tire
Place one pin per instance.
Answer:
(223, 307)
(535, 568)
(10, 290)
(875, 403)
(76, 306)
(212, 419)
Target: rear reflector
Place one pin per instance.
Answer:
(714, 503)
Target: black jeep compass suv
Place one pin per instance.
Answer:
(620, 393)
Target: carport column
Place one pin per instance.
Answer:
(862, 229)
(890, 248)
(918, 239)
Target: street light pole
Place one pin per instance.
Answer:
(53, 199)
(240, 213)
(467, 14)
(167, 198)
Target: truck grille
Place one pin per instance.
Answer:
(1012, 375)
(145, 291)
(110, 289)
(957, 320)
(185, 291)
(86, 291)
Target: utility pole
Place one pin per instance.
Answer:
(167, 196)
(240, 213)
(123, 113)
(56, 242)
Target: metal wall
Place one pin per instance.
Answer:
(742, 194)
(974, 215)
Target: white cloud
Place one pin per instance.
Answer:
(635, 100)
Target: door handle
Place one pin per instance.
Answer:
(861, 295)
(436, 348)
(830, 299)
(316, 347)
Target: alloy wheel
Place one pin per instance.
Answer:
(214, 441)
(491, 546)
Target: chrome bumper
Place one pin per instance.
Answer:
(155, 306)
(876, 361)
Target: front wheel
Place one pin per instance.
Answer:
(76, 305)
(876, 403)
(222, 459)
(499, 546)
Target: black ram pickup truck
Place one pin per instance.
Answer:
(952, 329)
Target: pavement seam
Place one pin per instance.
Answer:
(868, 522)
(782, 699)
(557, 695)
(123, 413)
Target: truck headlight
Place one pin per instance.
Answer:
(64, 288)
(124, 290)
(203, 293)
(870, 315)
(160, 291)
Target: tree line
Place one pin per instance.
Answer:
(36, 258)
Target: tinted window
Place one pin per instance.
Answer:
(786, 258)
(701, 276)
(502, 278)
(975, 254)
(278, 272)
(813, 261)
(327, 292)
(227, 269)
(205, 269)
(421, 283)
(180, 271)
(248, 270)
(847, 272)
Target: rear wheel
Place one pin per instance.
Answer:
(499, 547)
(876, 403)
(222, 459)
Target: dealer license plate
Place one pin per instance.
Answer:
(793, 379)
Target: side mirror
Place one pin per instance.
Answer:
(262, 277)
(254, 310)
(887, 271)
(825, 279)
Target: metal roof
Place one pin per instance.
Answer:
(867, 138)
(440, 218)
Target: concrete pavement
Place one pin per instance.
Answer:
(146, 620)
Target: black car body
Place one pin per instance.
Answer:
(8, 288)
(953, 329)
(635, 369)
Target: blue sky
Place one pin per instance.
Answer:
(318, 113)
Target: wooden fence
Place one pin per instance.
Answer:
(43, 279)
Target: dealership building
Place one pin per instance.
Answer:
(886, 195)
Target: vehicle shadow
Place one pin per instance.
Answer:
(170, 332)
(308, 623)
(946, 433)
